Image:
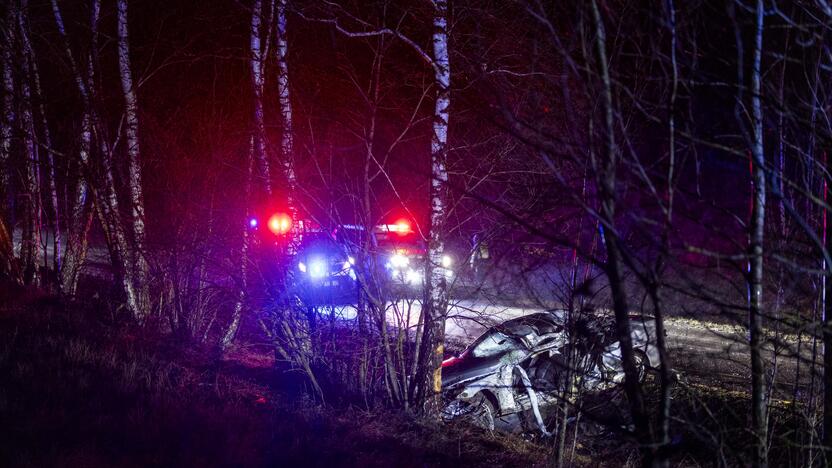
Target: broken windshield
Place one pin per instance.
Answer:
(494, 343)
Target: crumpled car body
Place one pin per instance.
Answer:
(514, 366)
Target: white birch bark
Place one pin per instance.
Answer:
(34, 74)
(258, 86)
(134, 165)
(106, 200)
(30, 251)
(109, 213)
(9, 118)
(437, 288)
(287, 137)
(80, 219)
(431, 352)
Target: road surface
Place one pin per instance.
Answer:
(707, 352)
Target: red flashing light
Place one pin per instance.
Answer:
(280, 223)
(401, 227)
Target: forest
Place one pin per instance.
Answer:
(415, 233)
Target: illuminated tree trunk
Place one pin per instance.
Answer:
(105, 196)
(80, 219)
(426, 384)
(30, 251)
(106, 199)
(134, 182)
(9, 119)
(258, 83)
(286, 138)
(107, 205)
(437, 293)
(34, 76)
(759, 422)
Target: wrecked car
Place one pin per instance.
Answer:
(520, 365)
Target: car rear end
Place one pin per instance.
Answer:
(324, 274)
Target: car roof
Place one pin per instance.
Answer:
(321, 244)
(542, 322)
(538, 324)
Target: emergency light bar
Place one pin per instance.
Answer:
(280, 223)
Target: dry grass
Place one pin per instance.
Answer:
(75, 391)
(79, 390)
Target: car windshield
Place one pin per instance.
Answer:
(493, 343)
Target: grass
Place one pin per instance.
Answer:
(76, 390)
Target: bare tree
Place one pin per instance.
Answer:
(759, 422)
(436, 310)
(80, 211)
(31, 254)
(614, 265)
(284, 96)
(45, 144)
(258, 63)
(105, 193)
(134, 182)
(428, 383)
(9, 115)
(239, 305)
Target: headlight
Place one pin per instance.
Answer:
(415, 276)
(447, 261)
(317, 268)
(399, 261)
(302, 267)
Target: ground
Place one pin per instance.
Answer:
(75, 391)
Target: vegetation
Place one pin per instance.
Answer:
(164, 164)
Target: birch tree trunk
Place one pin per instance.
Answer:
(755, 247)
(258, 84)
(9, 119)
(34, 76)
(237, 313)
(437, 293)
(106, 199)
(80, 219)
(30, 252)
(287, 137)
(134, 164)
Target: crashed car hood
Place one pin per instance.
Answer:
(466, 367)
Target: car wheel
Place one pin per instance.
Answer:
(549, 376)
(479, 411)
(483, 412)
